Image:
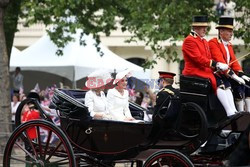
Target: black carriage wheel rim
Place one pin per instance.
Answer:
(38, 158)
(168, 155)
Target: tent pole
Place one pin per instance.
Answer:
(74, 80)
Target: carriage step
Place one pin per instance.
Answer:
(225, 122)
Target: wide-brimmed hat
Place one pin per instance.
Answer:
(226, 22)
(121, 75)
(163, 74)
(200, 21)
(98, 79)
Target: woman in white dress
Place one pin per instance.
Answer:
(14, 105)
(95, 98)
(118, 104)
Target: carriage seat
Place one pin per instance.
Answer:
(195, 84)
(199, 90)
(67, 98)
(69, 106)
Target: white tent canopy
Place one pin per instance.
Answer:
(15, 52)
(77, 61)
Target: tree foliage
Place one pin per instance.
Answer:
(243, 32)
(150, 21)
(10, 23)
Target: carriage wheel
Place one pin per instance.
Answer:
(25, 106)
(192, 122)
(38, 143)
(168, 158)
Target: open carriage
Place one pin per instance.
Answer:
(80, 140)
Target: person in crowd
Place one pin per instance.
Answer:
(22, 97)
(163, 98)
(95, 98)
(14, 105)
(220, 8)
(17, 79)
(222, 51)
(118, 104)
(139, 97)
(151, 95)
(230, 6)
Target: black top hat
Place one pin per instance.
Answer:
(200, 21)
(226, 22)
(164, 74)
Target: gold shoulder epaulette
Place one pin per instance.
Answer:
(168, 91)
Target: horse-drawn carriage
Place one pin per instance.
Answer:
(183, 140)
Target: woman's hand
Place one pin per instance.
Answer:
(98, 116)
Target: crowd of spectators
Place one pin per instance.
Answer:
(44, 97)
(225, 8)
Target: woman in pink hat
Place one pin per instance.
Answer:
(95, 98)
(118, 104)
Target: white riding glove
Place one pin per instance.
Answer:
(245, 78)
(238, 79)
(221, 66)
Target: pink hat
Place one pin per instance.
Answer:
(98, 79)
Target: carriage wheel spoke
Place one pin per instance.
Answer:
(51, 154)
(47, 143)
(26, 151)
(159, 163)
(30, 142)
(39, 142)
(59, 162)
(21, 160)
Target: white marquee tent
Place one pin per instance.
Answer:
(77, 61)
(15, 51)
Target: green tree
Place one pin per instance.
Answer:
(9, 11)
(150, 21)
(243, 32)
(4, 78)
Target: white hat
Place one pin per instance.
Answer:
(98, 79)
(121, 75)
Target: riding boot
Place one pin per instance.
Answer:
(239, 104)
(223, 98)
(247, 100)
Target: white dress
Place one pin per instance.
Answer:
(118, 105)
(96, 104)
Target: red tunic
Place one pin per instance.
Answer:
(197, 59)
(28, 116)
(219, 54)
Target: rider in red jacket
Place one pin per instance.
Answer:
(222, 51)
(197, 57)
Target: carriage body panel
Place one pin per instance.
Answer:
(106, 137)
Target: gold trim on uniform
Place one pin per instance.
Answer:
(168, 91)
(225, 26)
(200, 24)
